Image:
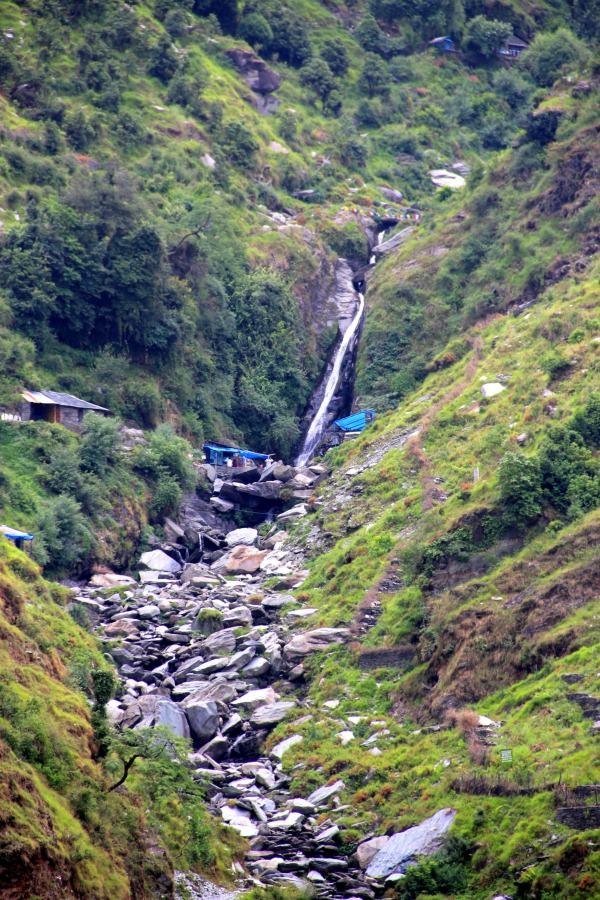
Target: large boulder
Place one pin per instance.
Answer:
(221, 642)
(252, 700)
(323, 794)
(254, 70)
(368, 849)
(240, 560)
(272, 713)
(159, 561)
(203, 717)
(403, 849)
(169, 714)
(239, 536)
(219, 691)
(312, 641)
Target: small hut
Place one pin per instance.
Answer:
(62, 409)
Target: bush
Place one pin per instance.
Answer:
(63, 535)
(443, 873)
(256, 30)
(586, 421)
(520, 488)
(167, 498)
(570, 474)
(554, 363)
(101, 437)
(375, 77)
(548, 54)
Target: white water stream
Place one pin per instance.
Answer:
(319, 422)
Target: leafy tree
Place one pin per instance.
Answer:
(375, 77)
(371, 38)
(486, 36)
(291, 40)
(318, 77)
(520, 482)
(256, 30)
(176, 24)
(586, 18)
(239, 143)
(163, 61)
(570, 474)
(335, 55)
(548, 53)
(513, 87)
(101, 437)
(226, 11)
(586, 421)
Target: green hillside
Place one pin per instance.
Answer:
(167, 249)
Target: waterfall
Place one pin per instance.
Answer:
(319, 422)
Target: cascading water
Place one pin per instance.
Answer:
(319, 422)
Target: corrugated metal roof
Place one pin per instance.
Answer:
(56, 398)
(357, 421)
(14, 534)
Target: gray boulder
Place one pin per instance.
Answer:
(312, 641)
(220, 642)
(322, 794)
(203, 717)
(368, 849)
(402, 849)
(247, 536)
(158, 561)
(273, 713)
(169, 714)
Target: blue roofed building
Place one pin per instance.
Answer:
(350, 426)
(237, 457)
(444, 43)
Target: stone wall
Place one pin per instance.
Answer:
(581, 818)
(386, 657)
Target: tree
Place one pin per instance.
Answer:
(520, 488)
(256, 30)
(335, 55)
(486, 36)
(226, 11)
(375, 77)
(163, 60)
(548, 53)
(291, 40)
(371, 38)
(318, 77)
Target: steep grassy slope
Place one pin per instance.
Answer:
(61, 832)
(491, 599)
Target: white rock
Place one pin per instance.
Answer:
(492, 388)
(149, 612)
(280, 748)
(247, 536)
(159, 561)
(345, 737)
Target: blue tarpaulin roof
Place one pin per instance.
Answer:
(357, 421)
(13, 534)
(247, 454)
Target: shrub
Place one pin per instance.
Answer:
(554, 363)
(570, 474)
(167, 498)
(375, 77)
(520, 488)
(586, 421)
(63, 536)
(256, 30)
(548, 54)
(101, 438)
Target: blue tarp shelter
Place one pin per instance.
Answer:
(356, 422)
(217, 455)
(13, 534)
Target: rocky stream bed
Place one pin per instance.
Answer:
(221, 660)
